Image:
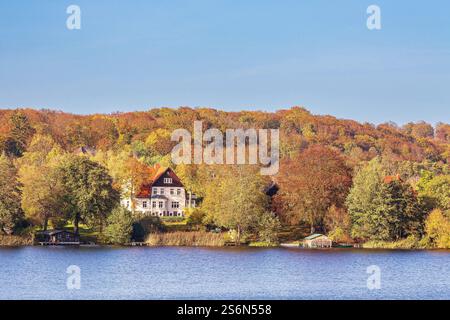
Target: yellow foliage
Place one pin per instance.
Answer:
(437, 227)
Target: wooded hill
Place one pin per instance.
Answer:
(416, 142)
(352, 181)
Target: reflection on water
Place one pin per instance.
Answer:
(222, 273)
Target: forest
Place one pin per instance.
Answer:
(379, 185)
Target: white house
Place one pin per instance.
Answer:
(164, 196)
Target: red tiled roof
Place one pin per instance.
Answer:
(146, 189)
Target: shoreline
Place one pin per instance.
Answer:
(101, 246)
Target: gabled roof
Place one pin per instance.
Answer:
(157, 172)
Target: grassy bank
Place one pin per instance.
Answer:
(262, 244)
(408, 243)
(183, 238)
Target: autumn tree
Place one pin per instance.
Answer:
(19, 135)
(10, 211)
(310, 183)
(419, 130)
(235, 199)
(159, 142)
(437, 228)
(337, 220)
(129, 174)
(42, 188)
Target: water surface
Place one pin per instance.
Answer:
(222, 273)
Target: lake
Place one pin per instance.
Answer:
(222, 273)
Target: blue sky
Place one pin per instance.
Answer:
(231, 55)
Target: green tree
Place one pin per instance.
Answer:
(119, 226)
(380, 209)
(434, 191)
(10, 211)
(89, 195)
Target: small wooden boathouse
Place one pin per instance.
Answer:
(57, 237)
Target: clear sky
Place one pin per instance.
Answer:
(231, 55)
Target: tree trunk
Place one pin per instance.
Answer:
(312, 228)
(75, 224)
(45, 224)
(238, 236)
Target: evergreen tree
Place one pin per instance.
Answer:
(381, 209)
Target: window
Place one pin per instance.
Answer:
(144, 204)
(128, 204)
(161, 204)
(175, 214)
(172, 191)
(155, 190)
(167, 180)
(162, 191)
(154, 204)
(175, 204)
(178, 191)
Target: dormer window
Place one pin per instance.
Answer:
(168, 180)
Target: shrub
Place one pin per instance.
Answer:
(119, 226)
(195, 217)
(146, 225)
